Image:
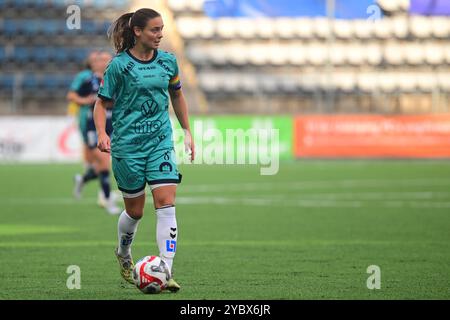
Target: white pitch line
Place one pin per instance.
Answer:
(420, 199)
(299, 185)
(308, 203)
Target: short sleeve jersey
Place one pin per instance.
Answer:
(139, 89)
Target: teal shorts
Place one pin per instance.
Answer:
(132, 174)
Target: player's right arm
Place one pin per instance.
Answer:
(106, 95)
(73, 96)
(104, 142)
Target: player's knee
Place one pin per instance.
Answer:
(164, 201)
(135, 214)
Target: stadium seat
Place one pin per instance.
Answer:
(344, 82)
(197, 54)
(269, 84)
(226, 28)
(363, 29)
(443, 81)
(427, 82)
(374, 54)
(296, 54)
(50, 82)
(246, 28)
(338, 54)
(238, 54)
(217, 55)
(2, 54)
(6, 82)
(289, 84)
(407, 82)
(394, 53)
(322, 28)
(209, 82)
(400, 27)
(264, 28)
(383, 29)
(317, 54)
(342, 29)
(206, 28)
(304, 28)
(388, 82)
(31, 27)
(308, 83)
(177, 5)
(258, 55)
(231, 83)
(278, 54)
(22, 55)
(284, 28)
(434, 54)
(389, 5)
(195, 5)
(88, 27)
(51, 27)
(440, 27)
(42, 54)
(10, 28)
(447, 53)
(186, 27)
(367, 82)
(356, 55)
(249, 84)
(420, 27)
(30, 82)
(415, 54)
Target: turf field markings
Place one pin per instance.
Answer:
(16, 229)
(239, 243)
(260, 186)
(329, 200)
(313, 203)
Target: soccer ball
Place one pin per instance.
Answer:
(150, 274)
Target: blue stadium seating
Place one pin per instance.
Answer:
(30, 82)
(2, 55)
(6, 82)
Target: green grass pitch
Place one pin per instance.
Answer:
(309, 232)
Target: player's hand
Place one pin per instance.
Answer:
(189, 146)
(104, 143)
(91, 99)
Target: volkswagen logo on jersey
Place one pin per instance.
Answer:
(149, 108)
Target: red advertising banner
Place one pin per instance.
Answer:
(324, 136)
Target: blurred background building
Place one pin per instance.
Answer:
(246, 56)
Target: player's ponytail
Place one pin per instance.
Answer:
(122, 30)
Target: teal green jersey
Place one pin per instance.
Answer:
(139, 89)
(81, 84)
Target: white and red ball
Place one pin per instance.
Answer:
(150, 274)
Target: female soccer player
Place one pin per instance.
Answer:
(98, 162)
(140, 80)
(81, 93)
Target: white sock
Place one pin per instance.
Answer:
(126, 227)
(166, 233)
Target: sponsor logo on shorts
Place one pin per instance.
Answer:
(165, 167)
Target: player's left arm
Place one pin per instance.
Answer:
(181, 111)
